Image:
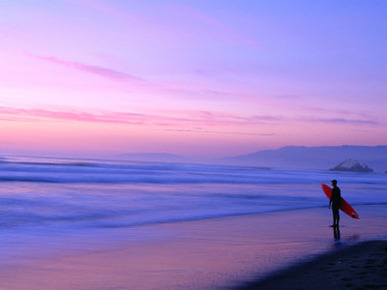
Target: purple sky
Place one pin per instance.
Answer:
(199, 78)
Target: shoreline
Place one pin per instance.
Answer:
(359, 266)
(206, 254)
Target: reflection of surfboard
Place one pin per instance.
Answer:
(345, 207)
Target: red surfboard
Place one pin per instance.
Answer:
(345, 207)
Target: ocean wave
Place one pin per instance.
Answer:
(42, 163)
(88, 193)
(29, 179)
(114, 210)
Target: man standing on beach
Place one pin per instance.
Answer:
(335, 202)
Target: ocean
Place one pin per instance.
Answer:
(81, 194)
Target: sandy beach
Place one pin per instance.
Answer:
(208, 254)
(363, 266)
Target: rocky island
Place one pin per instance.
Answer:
(352, 165)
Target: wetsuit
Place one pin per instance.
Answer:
(335, 200)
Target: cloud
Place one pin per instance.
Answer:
(220, 132)
(92, 69)
(20, 114)
(266, 119)
(181, 119)
(344, 121)
(250, 100)
(350, 116)
(178, 121)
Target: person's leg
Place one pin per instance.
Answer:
(336, 216)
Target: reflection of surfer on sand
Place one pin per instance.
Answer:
(335, 201)
(336, 235)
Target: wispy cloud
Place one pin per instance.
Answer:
(179, 121)
(185, 119)
(89, 68)
(347, 115)
(220, 132)
(20, 114)
(344, 121)
(294, 107)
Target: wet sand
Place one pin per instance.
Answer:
(363, 266)
(206, 254)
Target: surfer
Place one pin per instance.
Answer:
(335, 203)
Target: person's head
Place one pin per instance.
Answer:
(334, 182)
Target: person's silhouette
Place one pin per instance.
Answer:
(335, 203)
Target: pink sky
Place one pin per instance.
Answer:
(198, 78)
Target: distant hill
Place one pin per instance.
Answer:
(324, 157)
(157, 157)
